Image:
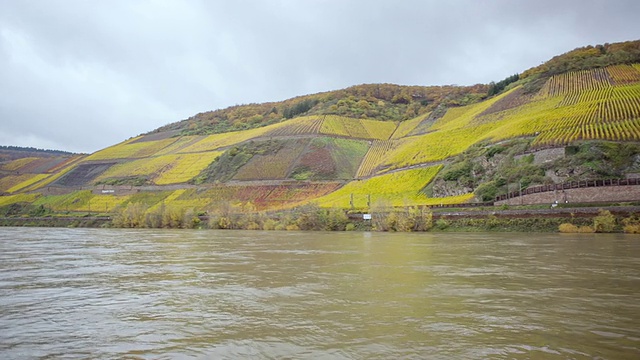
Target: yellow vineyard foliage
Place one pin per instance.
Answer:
(357, 128)
(67, 202)
(175, 201)
(398, 188)
(377, 152)
(380, 130)
(572, 108)
(84, 201)
(19, 198)
(32, 179)
(185, 167)
(103, 203)
(299, 126)
(51, 178)
(459, 117)
(576, 81)
(138, 167)
(334, 125)
(163, 170)
(217, 141)
(17, 164)
(624, 74)
(405, 127)
(179, 144)
(9, 181)
(435, 146)
(131, 149)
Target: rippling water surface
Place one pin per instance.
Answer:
(93, 293)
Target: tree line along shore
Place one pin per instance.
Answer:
(624, 218)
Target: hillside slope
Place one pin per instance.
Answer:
(382, 143)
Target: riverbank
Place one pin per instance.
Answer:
(438, 220)
(63, 221)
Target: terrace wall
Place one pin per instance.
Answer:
(621, 193)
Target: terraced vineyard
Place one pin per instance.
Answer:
(32, 165)
(185, 167)
(160, 170)
(584, 80)
(73, 201)
(17, 198)
(10, 181)
(357, 128)
(379, 130)
(435, 146)
(296, 127)
(83, 174)
(179, 144)
(402, 188)
(131, 149)
(17, 164)
(406, 127)
(347, 155)
(624, 74)
(272, 166)
(262, 197)
(607, 113)
(28, 181)
(147, 166)
(103, 203)
(180, 200)
(378, 150)
(57, 173)
(219, 141)
(575, 106)
(318, 155)
(327, 158)
(287, 196)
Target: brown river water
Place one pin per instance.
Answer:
(154, 294)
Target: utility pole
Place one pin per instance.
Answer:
(520, 188)
(507, 195)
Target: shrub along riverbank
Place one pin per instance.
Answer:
(315, 218)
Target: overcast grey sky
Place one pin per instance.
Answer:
(81, 75)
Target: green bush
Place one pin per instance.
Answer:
(442, 224)
(605, 222)
(456, 171)
(487, 191)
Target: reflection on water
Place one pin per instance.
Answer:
(232, 294)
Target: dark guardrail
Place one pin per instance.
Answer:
(569, 185)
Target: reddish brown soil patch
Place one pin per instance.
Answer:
(319, 161)
(83, 174)
(157, 136)
(513, 100)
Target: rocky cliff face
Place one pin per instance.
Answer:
(492, 170)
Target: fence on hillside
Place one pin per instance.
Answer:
(569, 185)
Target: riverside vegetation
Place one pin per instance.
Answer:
(384, 217)
(307, 217)
(408, 147)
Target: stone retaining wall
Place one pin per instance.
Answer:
(582, 195)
